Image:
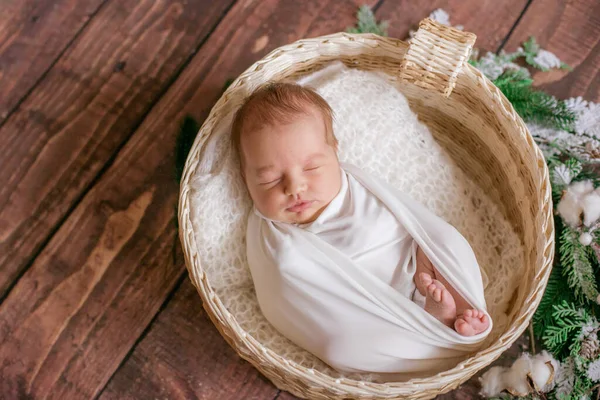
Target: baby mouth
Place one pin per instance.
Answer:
(300, 206)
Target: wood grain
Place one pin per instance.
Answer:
(571, 30)
(200, 364)
(186, 370)
(33, 34)
(490, 20)
(184, 357)
(81, 113)
(74, 315)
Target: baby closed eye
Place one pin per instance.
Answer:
(277, 180)
(272, 182)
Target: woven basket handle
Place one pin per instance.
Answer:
(435, 56)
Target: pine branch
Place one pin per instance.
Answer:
(367, 23)
(532, 105)
(556, 292)
(539, 58)
(582, 387)
(577, 267)
(568, 320)
(563, 174)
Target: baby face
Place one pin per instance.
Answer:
(291, 172)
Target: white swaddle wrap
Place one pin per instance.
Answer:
(342, 287)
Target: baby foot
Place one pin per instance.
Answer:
(439, 302)
(471, 322)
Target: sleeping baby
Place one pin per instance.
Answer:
(343, 264)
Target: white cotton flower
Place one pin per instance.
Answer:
(543, 374)
(585, 239)
(593, 371)
(581, 188)
(591, 208)
(492, 382)
(515, 378)
(546, 59)
(579, 198)
(540, 369)
(570, 209)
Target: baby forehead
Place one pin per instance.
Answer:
(267, 118)
(301, 133)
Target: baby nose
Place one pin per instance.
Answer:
(294, 187)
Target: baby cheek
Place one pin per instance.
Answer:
(271, 201)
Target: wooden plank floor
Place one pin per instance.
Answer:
(95, 299)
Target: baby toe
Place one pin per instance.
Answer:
(461, 326)
(439, 284)
(431, 289)
(425, 278)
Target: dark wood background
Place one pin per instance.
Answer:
(95, 298)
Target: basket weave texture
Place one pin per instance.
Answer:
(478, 128)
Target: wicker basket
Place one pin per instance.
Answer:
(475, 124)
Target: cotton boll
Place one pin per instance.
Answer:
(571, 205)
(554, 365)
(585, 239)
(542, 371)
(516, 377)
(591, 208)
(570, 209)
(492, 382)
(581, 188)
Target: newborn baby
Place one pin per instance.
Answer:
(284, 136)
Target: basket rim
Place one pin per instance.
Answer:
(254, 352)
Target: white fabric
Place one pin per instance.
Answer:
(316, 286)
(362, 228)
